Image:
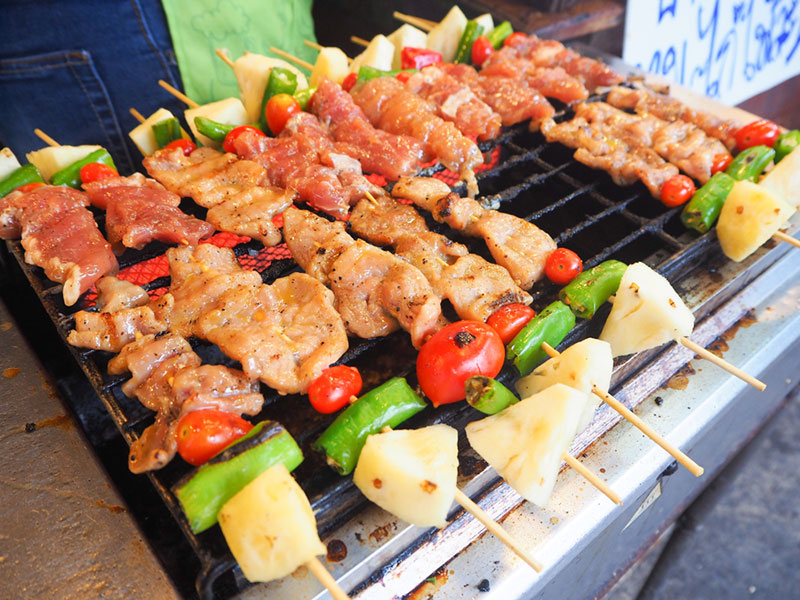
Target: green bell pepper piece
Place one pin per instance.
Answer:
(166, 131)
(365, 73)
(499, 34)
(551, 325)
(303, 96)
(18, 177)
(203, 492)
(71, 174)
(488, 395)
(213, 130)
(590, 289)
(281, 81)
(471, 33)
(750, 163)
(387, 405)
(701, 212)
(785, 143)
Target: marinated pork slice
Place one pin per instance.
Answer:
(141, 356)
(552, 82)
(425, 192)
(251, 211)
(284, 334)
(155, 392)
(377, 292)
(216, 387)
(171, 168)
(384, 221)
(111, 331)
(315, 243)
(61, 236)
(114, 294)
(156, 447)
(100, 192)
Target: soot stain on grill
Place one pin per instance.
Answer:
(6, 326)
(484, 585)
(111, 507)
(337, 551)
(680, 380)
(382, 532)
(11, 372)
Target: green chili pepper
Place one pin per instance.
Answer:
(499, 34)
(71, 174)
(701, 212)
(203, 492)
(551, 325)
(785, 143)
(20, 176)
(590, 289)
(166, 131)
(303, 96)
(213, 130)
(488, 395)
(387, 405)
(749, 164)
(471, 33)
(365, 73)
(281, 81)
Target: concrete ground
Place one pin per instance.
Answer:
(741, 538)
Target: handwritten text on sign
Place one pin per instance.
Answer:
(726, 49)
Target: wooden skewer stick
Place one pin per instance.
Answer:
(637, 422)
(724, 364)
(178, 94)
(495, 528)
(360, 41)
(720, 362)
(225, 58)
(784, 237)
(591, 477)
(137, 115)
(424, 24)
(45, 138)
(313, 45)
(294, 59)
(371, 198)
(325, 578)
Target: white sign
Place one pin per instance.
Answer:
(729, 50)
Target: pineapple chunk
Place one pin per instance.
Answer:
(580, 366)
(749, 217)
(524, 443)
(411, 473)
(331, 63)
(229, 111)
(270, 527)
(647, 312)
(445, 36)
(783, 181)
(378, 55)
(406, 35)
(252, 73)
(52, 159)
(487, 22)
(8, 163)
(142, 134)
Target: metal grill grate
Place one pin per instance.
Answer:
(581, 208)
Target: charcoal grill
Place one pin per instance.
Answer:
(540, 182)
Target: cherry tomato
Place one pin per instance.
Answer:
(509, 320)
(562, 266)
(677, 190)
(333, 388)
(403, 76)
(29, 187)
(757, 133)
(721, 162)
(349, 82)
(279, 109)
(95, 171)
(203, 433)
(481, 49)
(229, 143)
(454, 354)
(512, 39)
(188, 146)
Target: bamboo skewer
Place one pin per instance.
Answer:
(360, 41)
(591, 477)
(178, 94)
(637, 422)
(137, 115)
(45, 138)
(225, 58)
(317, 46)
(784, 237)
(424, 24)
(495, 528)
(325, 578)
(294, 59)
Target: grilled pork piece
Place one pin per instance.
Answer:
(60, 236)
(314, 242)
(671, 109)
(552, 82)
(251, 211)
(457, 102)
(216, 387)
(519, 246)
(475, 287)
(378, 151)
(597, 146)
(111, 331)
(139, 211)
(114, 294)
(392, 107)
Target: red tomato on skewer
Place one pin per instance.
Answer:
(509, 320)
(349, 82)
(334, 387)
(188, 146)
(677, 190)
(512, 39)
(203, 433)
(481, 50)
(29, 187)
(757, 133)
(279, 109)
(562, 266)
(229, 144)
(721, 162)
(96, 171)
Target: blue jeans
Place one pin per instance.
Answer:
(73, 69)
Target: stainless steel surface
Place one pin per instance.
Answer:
(64, 530)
